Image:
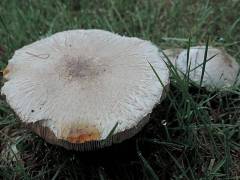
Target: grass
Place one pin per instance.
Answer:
(193, 134)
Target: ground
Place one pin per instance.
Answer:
(193, 134)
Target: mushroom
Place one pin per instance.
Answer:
(85, 89)
(221, 70)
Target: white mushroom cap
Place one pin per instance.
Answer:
(221, 69)
(74, 87)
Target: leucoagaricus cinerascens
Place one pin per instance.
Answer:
(85, 89)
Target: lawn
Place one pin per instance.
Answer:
(193, 134)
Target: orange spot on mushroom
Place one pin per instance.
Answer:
(83, 135)
(5, 71)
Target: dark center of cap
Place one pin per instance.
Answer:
(81, 67)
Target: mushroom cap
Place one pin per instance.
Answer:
(221, 70)
(85, 89)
